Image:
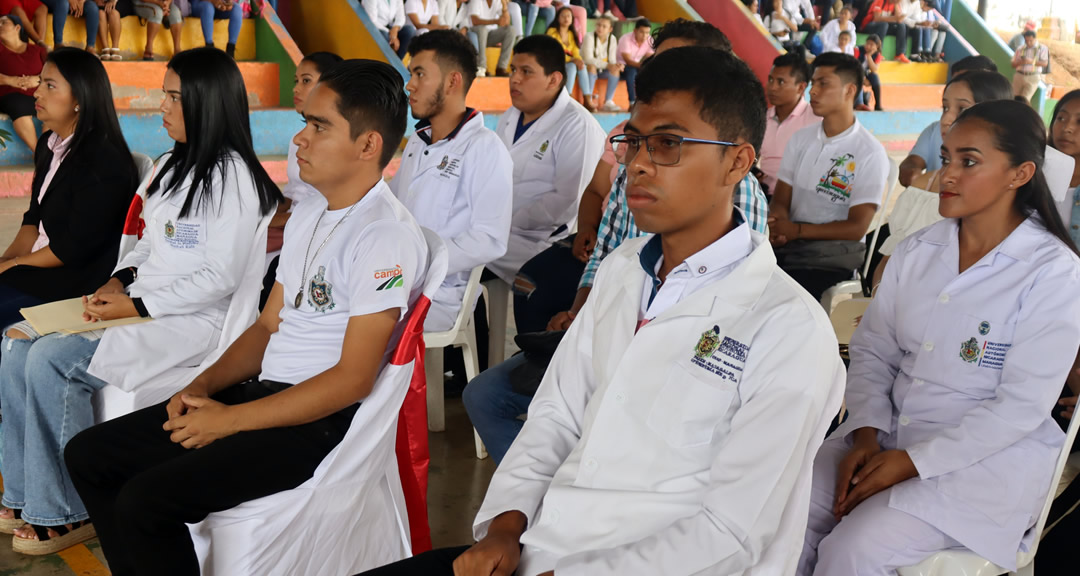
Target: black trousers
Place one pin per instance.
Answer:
(433, 562)
(141, 489)
(554, 275)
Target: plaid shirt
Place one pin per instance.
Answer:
(617, 223)
(1039, 53)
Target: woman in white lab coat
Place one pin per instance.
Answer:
(202, 214)
(955, 368)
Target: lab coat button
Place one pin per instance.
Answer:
(918, 382)
(904, 420)
(944, 298)
(928, 346)
(590, 463)
(702, 270)
(620, 397)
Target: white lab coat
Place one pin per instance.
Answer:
(553, 162)
(188, 269)
(962, 371)
(385, 14)
(461, 188)
(636, 459)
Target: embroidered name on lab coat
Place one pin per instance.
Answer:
(182, 234)
(539, 154)
(725, 359)
(449, 167)
(993, 355)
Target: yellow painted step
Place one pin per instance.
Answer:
(133, 37)
(892, 72)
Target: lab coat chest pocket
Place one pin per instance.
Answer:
(185, 238)
(690, 405)
(975, 353)
(446, 177)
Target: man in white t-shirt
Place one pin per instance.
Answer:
(261, 419)
(489, 21)
(388, 16)
(456, 177)
(831, 181)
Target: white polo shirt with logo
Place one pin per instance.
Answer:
(830, 175)
(376, 260)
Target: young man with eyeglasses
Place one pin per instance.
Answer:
(652, 445)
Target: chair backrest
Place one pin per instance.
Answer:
(1024, 558)
(879, 216)
(465, 315)
(133, 224)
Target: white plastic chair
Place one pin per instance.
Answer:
(351, 515)
(146, 169)
(967, 563)
(854, 286)
(463, 334)
(497, 295)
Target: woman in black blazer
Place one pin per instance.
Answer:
(70, 237)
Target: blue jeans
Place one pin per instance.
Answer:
(206, 12)
(531, 12)
(612, 82)
(572, 76)
(630, 74)
(45, 392)
(60, 8)
(405, 35)
(494, 407)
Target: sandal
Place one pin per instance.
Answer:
(148, 56)
(10, 525)
(44, 544)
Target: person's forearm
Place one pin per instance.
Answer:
(242, 361)
(911, 167)
(6, 80)
(43, 258)
(510, 522)
(394, 31)
(865, 435)
(318, 397)
(23, 242)
(580, 298)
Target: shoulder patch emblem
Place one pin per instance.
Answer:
(394, 277)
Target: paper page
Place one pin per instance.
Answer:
(66, 316)
(844, 315)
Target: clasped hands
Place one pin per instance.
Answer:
(196, 420)
(867, 470)
(782, 231)
(109, 302)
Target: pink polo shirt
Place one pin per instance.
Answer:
(777, 135)
(628, 44)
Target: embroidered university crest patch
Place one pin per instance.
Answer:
(970, 351)
(321, 292)
(708, 343)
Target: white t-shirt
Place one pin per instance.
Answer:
(375, 261)
(830, 175)
(480, 9)
(422, 13)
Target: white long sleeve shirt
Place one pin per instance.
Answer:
(553, 162)
(385, 14)
(659, 451)
(460, 187)
(961, 370)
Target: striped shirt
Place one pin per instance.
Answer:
(1035, 58)
(617, 224)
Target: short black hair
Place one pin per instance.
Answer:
(845, 66)
(323, 61)
(452, 52)
(845, 33)
(1029, 33)
(548, 53)
(795, 62)
(731, 97)
(642, 23)
(699, 33)
(371, 96)
(973, 64)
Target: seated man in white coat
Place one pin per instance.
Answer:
(555, 144)
(652, 446)
(261, 419)
(455, 175)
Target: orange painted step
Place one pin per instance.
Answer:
(493, 94)
(911, 96)
(137, 85)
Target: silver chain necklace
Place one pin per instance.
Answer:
(304, 273)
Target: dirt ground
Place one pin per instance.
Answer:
(1064, 61)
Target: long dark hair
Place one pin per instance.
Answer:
(96, 122)
(1057, 108)
(214, 102)
(555, 24)
(1020, 133)
(985, 85)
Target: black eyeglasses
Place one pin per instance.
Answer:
(664, 149)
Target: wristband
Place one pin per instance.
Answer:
(140, 308)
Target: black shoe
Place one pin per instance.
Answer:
(230, 49)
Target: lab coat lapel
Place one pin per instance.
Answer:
(542, 124)
(616, 318)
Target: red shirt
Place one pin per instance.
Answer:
(29, 63)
